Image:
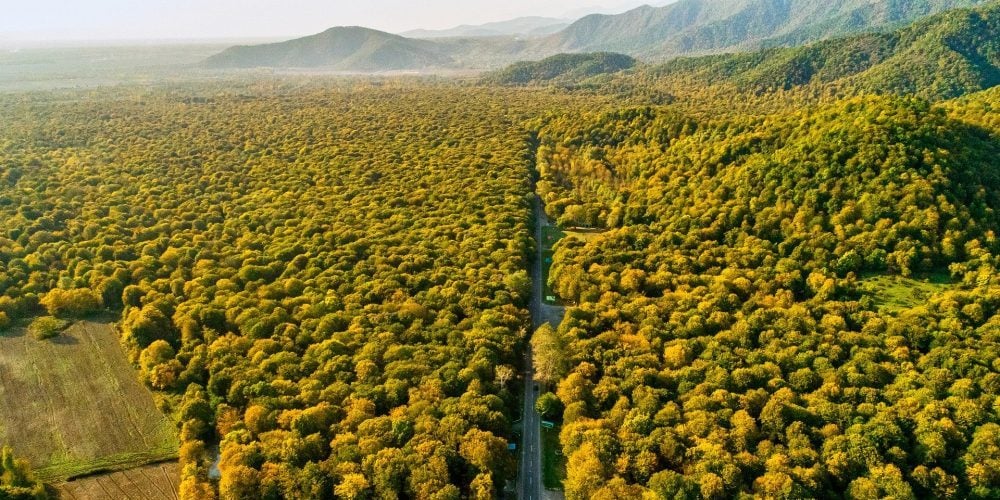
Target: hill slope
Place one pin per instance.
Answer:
(530, 26)
(710, 26)
(943, 56)
(341, 48)
(742, 242)
(562, 67)
(689, 27)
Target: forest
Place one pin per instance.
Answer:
(724, 342)
(330, 283)
(788, 290)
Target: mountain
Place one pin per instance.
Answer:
(943, 56)
(691, 27)
(688, 27)
(343, 49)
(522, 26)
(611, 8)
(568, 67)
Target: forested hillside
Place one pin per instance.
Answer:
(567, 68)
(943, 56)
(713, 26)
(728, 338)
(651, 34)
(346, 48)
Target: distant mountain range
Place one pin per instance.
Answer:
(691, 27)
(943, 56)
(687, 27)
(522, 26)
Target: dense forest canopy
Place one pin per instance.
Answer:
(331, 281)
(724, 342)
(943, 56)
(788, 287)
(561, 68)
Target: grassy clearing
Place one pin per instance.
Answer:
(587, 236)
(550, 235)
(149, 482)
(896, 293)
(553, 462)
(73, 405)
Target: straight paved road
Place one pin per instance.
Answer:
(530, 486)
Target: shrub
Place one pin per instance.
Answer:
(72, 303)
(47, 327)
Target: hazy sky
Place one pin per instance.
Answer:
(186, 19)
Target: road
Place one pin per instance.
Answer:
(530, 486)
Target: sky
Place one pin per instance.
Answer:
(61, 20)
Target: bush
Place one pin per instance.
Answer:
(17, 482)
(4, 321)
(47, 327)
(72, 303)
(548, 405)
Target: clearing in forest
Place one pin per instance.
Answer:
(73, 405)
(553, 461)
(895, 293)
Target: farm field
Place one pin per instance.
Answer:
(73, 405)
(149, 482)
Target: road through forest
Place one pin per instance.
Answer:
(530, 485)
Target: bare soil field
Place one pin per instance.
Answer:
(149, 482)
(73, 405)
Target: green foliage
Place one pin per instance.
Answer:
(723, 343)
(72, 303)
(47, 327)
(337, 293)
(548, 354)
(347, 48)
(16, 480)
(896, 293)
(565, 68)
(944, 56)
(548, 406)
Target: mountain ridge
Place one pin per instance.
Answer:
(652, 34)
(344, 48)
(561, 67)
(696, 27)
(938, 57)
(521, 26)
